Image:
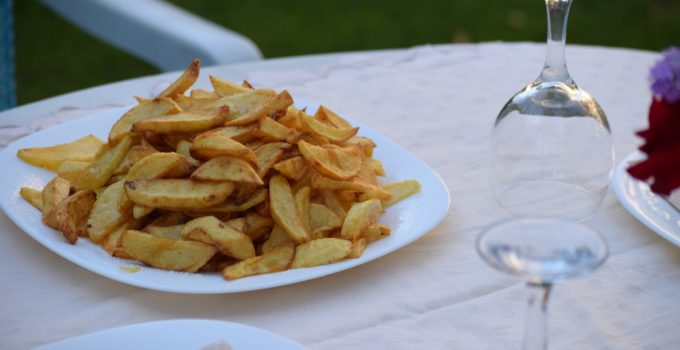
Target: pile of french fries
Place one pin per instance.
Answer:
(235, 180)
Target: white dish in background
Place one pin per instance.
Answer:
(178, 335)
(409, 219)
(649, 208)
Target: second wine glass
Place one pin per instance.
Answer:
(551, 148)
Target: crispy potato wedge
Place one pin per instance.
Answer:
(225, 88)
(144, 110)
(107, 213)
(134, 155)
(250, 106)
(340, 163)
(212, 144)
(322, 218)
(177, 193)
(71, 169)
(277, 238)
(166, 253)
(203, 94)
(230, 206)
(188, 103)
(284, 211)
(53, 193)
(156, 165)
(32, 196)
(375, 232)
(111, 244)
(334, 203)
(256, 225)
(270, 130)
(359, 217)
(139, 212)
(70, 215)
(227, 169)
(184, 82)
(358, 247)
(192, 121)
(239, 133)
(82, 150)
(321, 182)
(184, 148)
(172, 232)
(365, 144)
(292, 168)
(98, 173)
(377, 167)
(326, 115)
(278, 259)
(321, 252)
(269, 154)
(328, 131)
(302, 203)
(401, 190)
(210, 230)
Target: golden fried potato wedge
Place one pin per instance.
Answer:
(203, 94)
(322, 218)
(210, 230)
(401, 190)
(326, 115)
(184, 148)
(184, 82)
(321, 252)
(269, 129)
(292, 168)
(98, 173)
(278, 259)
(340, 163)
(365, 144)
(227, 169)
(172, 232)
(166, 253)
(225, 88)
(111, 244)
(277, 238)
(144, 110)
(377, 167)
(107, 213)
(302, 203)
(229, 206)
(134, 155)
(32, 196)
(170, 218)
(82, 150)
(257, 225)
(188, 103)
(177, 193)
(269, 154)
(239, 133)
(53, 193)
(319, 181)
(192, 121)
(156, 165)
(139, 212)
(359, 217)
(211, 144)
(335, 203)
(358, 247)
(328, 131)
(284, 211)
(375, 232)
(70, 215)
(292, 118)
(250, 106)
(71, 169)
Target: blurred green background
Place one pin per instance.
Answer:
(54, 57)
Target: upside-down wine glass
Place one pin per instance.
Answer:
(551, 149)
(541, 251)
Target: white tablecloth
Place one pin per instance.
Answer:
(439, 102)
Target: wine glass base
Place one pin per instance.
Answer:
(549, 198)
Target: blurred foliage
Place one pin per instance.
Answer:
(54, 57)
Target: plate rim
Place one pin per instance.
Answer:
(330, 269)
(180, 321)
(618, 183)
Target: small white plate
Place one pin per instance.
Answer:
(409, 219)
(650, 209)
(178, 334)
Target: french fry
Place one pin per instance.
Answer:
(292, 168)
(107, 214)
(144, 110)
(82, 150)
(227, 169)
(210, 230)
(284, 211)
(340, 163)
(177, 193)
(359, 217)
(401, 190)
(33, 196)
(98, 173)
(70, 215)
(278, 259)
(166, 253)
(52, 194)
(193, 121)
(321, 252)
(184, 82)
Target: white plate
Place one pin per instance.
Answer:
(179, 334)
(409, 220)
(653, 211)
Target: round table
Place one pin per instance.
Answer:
(439, 102)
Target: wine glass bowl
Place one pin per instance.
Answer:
(542, 250)
(551, 149)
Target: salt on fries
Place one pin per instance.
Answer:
(235, 180)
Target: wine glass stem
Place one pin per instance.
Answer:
(536, 332)
(555, 68)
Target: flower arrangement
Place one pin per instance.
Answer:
(662, 138)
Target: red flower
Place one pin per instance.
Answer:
(662, 146)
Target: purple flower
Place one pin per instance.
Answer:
(665, 76)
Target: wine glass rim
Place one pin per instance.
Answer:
(528, 219)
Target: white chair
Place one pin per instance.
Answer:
(162, 34)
